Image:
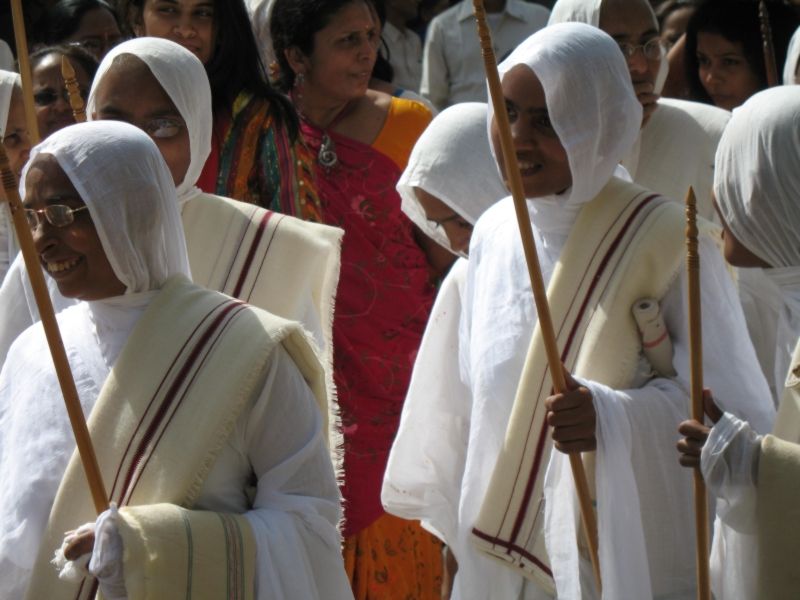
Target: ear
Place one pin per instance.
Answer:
(298, 61)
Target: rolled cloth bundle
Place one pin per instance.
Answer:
(656, 342)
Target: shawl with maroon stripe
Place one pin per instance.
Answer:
(161, 419)
(627, 244)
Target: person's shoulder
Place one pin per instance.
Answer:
(411, 112)
(712, 119)
(495, 218)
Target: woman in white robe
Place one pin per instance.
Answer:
(135, 248)
(757, 189)
(641, 538)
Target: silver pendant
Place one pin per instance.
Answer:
(327, 152)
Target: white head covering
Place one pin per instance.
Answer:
(125, 183)
(184, 79)
(757, 187)
(792, 60)
(6, 56)
(7, 82)
(8, 240)
(452, 161)
(590, 100)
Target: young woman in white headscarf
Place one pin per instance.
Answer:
(451, 179)
(604, 244)
(14, 133)
(274, 261)
(755, 477)
(207, 414)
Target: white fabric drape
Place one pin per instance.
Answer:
(452, 161)
(8, 240)
(792, 61)
(184, 79)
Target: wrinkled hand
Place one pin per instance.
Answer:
(573, 418)
(648, 98)
(83, 544)
(696, 434)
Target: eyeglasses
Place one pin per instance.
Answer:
(655, 49)
(455, 218)
(49, 97)
(98, 45)
(163, 128)
(58, 215)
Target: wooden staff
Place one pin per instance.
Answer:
(25, 71)
(75, 100)
(535, 272)
(696, 369)
(53, 335)
(769, 48)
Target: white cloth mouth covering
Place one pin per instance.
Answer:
(597, 124)
(792, 60)
(184, 79)
(125, 183)
(452, 161)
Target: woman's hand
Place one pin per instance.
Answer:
(696, 434)
(83, 544)
(573, 418)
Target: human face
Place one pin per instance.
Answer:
(674, 26)
(47, 79)
(98, 32)
(457, 229)
(543, 161)
(72, 255)
(189, 23)
(131, 93)
(724, 71)
(16, 139)
(344, 54)
(736, 253)
(632, 22)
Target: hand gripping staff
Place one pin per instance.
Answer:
(75, 100)
(77, 420)
(696, 370)
(25, 71)
(535, 272)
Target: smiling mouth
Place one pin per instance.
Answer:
(62, 267)
(528, 168)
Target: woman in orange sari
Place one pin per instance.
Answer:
(361, 140)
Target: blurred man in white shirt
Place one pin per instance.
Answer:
(405, 46)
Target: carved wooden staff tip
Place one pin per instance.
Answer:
(75, 100)
(769, 48)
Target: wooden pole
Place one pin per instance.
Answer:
(75, 100)
(53, 335)
(769, 49)
(25, 71)
(696, 370)
(535, 272)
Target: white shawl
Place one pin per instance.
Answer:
(792, 60)
(8, 239)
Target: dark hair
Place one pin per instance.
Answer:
(295, 23)
(75, 54)
(738, 21)
(236, 64)
(64, 19)
(666, 8)
(383, 69)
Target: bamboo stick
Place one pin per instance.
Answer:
(53, 335)
(535, 272)
(25, 71)
(75, 100)
(769, 48)
(696, 369)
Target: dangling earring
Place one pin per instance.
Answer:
(299, 81)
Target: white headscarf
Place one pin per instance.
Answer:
(757, 187)
(6, 56)
(184, 79)
(124, 181)
(7, 82)
(452, 161)
(8, 240)
(590, 100)
(792, 60)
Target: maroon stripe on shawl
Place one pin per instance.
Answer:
(239, 307)
(266, 253)
(170, 396)
(251, 253)
(80, 589)
(158, 390)
(534, 473)
(512, 548)
(239, 248)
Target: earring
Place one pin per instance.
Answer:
(300, 79)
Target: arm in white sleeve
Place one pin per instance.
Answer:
(435, 77)
(297, 504)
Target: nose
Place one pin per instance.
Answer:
(712, 75)
(184, 27)
(460, 241)
(369, 49)
(522, 134)
(638, 62)
(61, 104)
(43, 239)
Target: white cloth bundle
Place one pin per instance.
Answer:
(656, 342)
(8, 239)
(184, 79)
(452, 161)
(790, 76)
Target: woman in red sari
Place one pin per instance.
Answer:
(361, 140)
